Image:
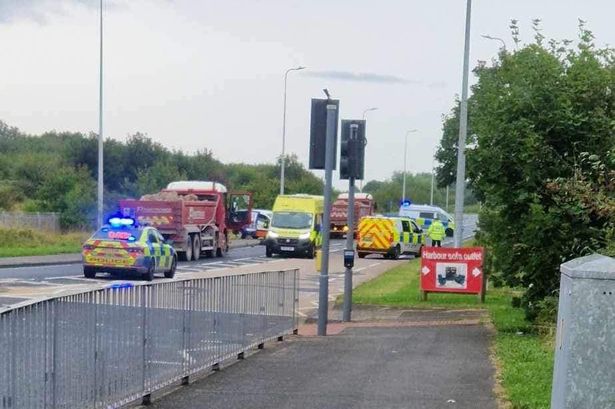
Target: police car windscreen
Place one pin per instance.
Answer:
(124, 234)
(292, 220)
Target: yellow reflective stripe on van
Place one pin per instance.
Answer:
(377, 233)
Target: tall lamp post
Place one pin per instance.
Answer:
(100, 125)
(403, 189)
(433, 159)
(368, 110)
(364, 116)
(463, 130)
(284, 128)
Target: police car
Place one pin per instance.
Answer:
(121, 246)
(423, 215)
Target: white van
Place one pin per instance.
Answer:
(423, 215)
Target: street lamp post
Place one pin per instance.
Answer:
(284, 128)
(364, 116)
(463, 130)
(100, 126)
(368, 110)
(432, 183)
(403, 191)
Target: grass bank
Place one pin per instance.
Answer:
(25, 242)
(524, 358)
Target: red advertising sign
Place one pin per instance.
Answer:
(453, 270)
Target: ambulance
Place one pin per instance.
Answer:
(295, 227)
(389, 236)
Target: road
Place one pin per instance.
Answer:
(20, 283)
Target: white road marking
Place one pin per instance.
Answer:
(50, 265)
(366, 267)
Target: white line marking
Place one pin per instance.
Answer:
(49, 265)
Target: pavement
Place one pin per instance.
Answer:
(75, 258)
(385, 358)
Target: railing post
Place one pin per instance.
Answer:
(54, 354)
(146, 397)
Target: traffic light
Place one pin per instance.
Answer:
(347, 152)
(352, 150)
(318, 132)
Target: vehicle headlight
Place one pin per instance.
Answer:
(272, 235)
(304, 236)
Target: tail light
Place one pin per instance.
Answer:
(135, 250)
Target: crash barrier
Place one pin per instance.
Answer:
(107, 347)
(39, 221)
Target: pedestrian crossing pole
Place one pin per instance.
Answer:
(323, 292)
(349, 253)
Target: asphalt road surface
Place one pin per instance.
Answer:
(235, 257)
(20, 283)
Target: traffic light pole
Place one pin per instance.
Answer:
(347, 311)
(323, 292)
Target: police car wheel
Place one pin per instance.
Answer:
(149, 275)
(449, 232)
(171, 272)
(89, 272)
(396, 253)
(268, 252)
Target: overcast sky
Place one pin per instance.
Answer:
(196, 74)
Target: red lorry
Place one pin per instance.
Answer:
(195, 217)
(364, 205)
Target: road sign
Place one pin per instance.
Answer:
(452, 270)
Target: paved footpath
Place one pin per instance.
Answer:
(411, 359)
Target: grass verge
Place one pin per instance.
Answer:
(25, 242)
(523, 357)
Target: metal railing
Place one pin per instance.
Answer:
(107, 347)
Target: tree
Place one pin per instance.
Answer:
(544, 122)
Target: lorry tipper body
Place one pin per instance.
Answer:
(196, 217)
(363, 206)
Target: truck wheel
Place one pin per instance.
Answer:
(171, 272)
(362, 255)
(187, 254)
(89, 272)
(449, 232)
(221, 251)
(196, 247)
